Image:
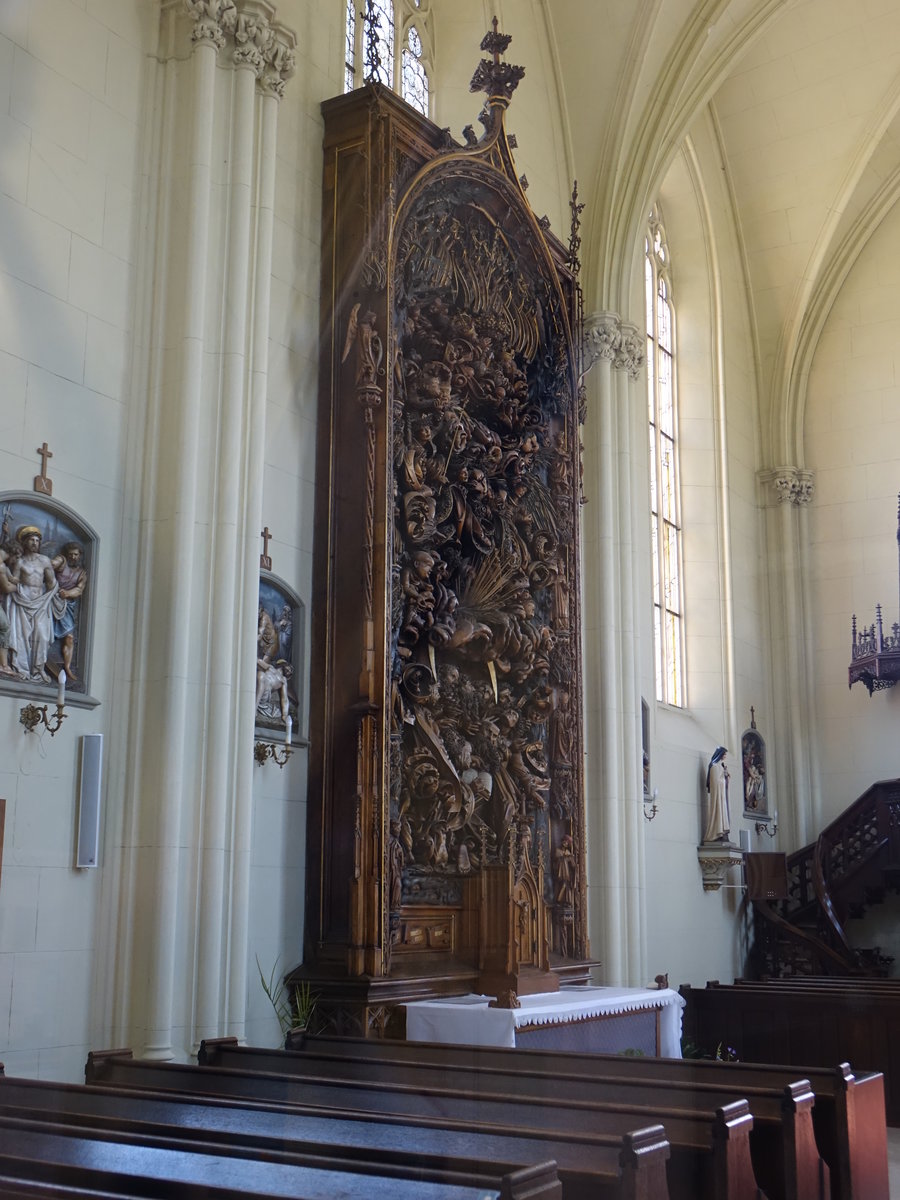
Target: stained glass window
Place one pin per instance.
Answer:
(406, 73)
(350, 33)
(414, 81)
(384, 23)
(668, 624)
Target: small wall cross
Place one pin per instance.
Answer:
(265, 559)
(41, 482)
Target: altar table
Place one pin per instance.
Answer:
(602, 1020)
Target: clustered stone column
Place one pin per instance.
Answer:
(614, 354)
(207, 304)
(790, 491)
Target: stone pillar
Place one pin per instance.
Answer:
(614, 355)
(209, 278)
(789, 491)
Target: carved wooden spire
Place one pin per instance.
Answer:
(497, 78)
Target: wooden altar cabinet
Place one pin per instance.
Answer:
(446, 709)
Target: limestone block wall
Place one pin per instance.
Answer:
(98, 101)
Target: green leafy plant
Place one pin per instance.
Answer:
(293, 1009)
(724, 1053)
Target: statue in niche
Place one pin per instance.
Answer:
(44, 576)
(718, 819)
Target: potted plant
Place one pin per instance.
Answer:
(293, 1009)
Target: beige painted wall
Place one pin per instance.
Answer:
(852, 441)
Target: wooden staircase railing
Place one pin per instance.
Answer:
(824, 880)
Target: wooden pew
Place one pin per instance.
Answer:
(505, 1164)
(786, 1162)
(133, 1165)
(845, 1102)
(804, 1026)
(710, 1155)
(856, 982)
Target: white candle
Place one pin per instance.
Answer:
(61, 690)
(288, 726)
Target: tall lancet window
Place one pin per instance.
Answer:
(413, 79)
(397, 21)
(668, 611)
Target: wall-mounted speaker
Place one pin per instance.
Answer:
(87, 851)
(744, 839)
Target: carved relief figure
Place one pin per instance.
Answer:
(369, 352)
(45, 579)
(32, 605)
(484, 459)
(71, 578)
(276, 668)
(753, 755)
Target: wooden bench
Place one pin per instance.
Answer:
(505, 1164)
(804, 1026)
(710, 1153)
(848, 1115)
(129, 1164)
(786, 1162)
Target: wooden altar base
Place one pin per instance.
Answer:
(365, 1006)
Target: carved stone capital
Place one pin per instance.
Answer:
(252, 37)
(213, 20)
(792, 485)
(279, 62)
(248, 29)
(607, 336)
(633, 351)
(602, 337)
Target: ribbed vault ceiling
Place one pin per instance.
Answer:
(806, 98)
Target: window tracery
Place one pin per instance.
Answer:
(396, 22)
(668, 612)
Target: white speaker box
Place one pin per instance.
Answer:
(744, 839)
(87, 851)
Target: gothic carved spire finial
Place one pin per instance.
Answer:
(373, 58)
(576, 208)
(497, 78)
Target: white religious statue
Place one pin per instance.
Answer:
(32, 603)
(718, 820)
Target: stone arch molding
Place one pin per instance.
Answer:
(630, 171)
(47, 630)
(820, 297)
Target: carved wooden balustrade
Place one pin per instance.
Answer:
(838, 876)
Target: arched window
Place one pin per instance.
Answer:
(668, 613)
(406, 72)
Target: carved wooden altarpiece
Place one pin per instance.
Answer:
(446, 836)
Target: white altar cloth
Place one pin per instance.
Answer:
(469, 1021)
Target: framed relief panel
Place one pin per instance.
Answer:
(48, 567)
(279, 659)
(756, 784)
